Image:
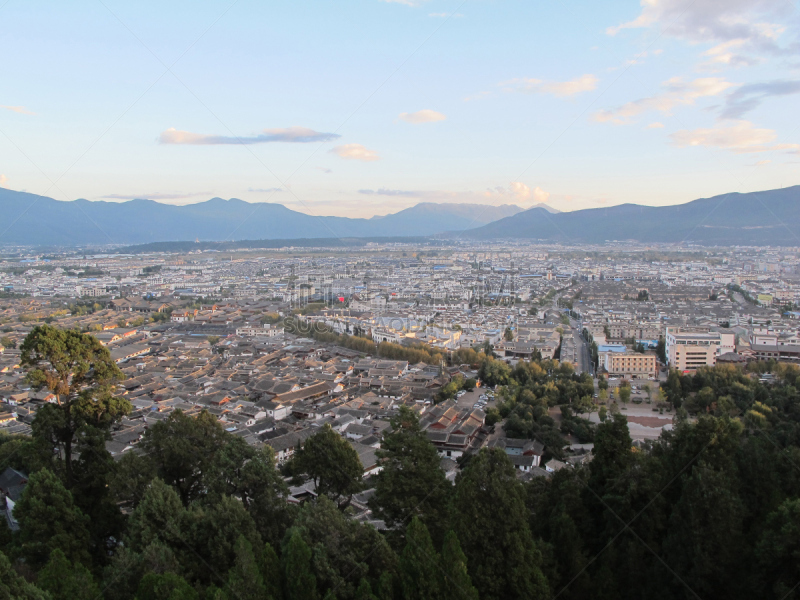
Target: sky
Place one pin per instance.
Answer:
(358, 108)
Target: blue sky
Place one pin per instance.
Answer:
(363, 108)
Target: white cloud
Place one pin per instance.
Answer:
(677, 93)
(747, 26)
(741, 137)
(763, 162)
(442, 15)
(355, 152)
(584, 83)
(18, 109)
(425, 115)
(287, 134)
(406, 2)
(656, 125)
(3, 179)
(519, 192)
(272, 190)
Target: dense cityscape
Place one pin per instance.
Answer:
(400, 300)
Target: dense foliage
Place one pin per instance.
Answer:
(710, 510)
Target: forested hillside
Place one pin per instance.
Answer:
(711, 510)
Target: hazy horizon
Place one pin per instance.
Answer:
(369, 108)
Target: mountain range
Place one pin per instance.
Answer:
(768, 218)
(28, 219)
(758, 218)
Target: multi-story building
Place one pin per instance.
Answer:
(629, 364)
(687, 350)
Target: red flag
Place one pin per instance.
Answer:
(341, 298)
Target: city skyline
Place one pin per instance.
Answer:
(373, 108)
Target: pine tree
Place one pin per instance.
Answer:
(492, 525)
(364, 591)
(300, 581)
(419, 564)
(166, 586)
(245, 581)
(65, 580)
(14, 587)
(457, 584)
(49, 519)
(271, 572)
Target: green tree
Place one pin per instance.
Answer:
(49, 520)
(364, 591)
(419, 565)
(79, 371)
(157, 518)
(624, 394)
(344, 550)
(14, 587)
(779, 548)
(165, 586)
(271, 572)
(67, 581)
(299, 580)
(182, 449)
(245, 581)
(8, 342)
(491, 523)
(508, 334)
(457, 584)
(411, 483)
(332, 464)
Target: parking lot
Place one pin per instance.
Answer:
(469, 399)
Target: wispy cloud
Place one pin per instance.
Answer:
(18, 109)
(324, 170)
(406, 2)
(751, 96)
(265, 190)
(677, 93)
(385, 192)
(656, 125)
(425, 115)
(300, 135)
(3, 179)
(741, 27)
(584, 83)
(355, 152)
(152, 196)
(442, 15)
(741, 138)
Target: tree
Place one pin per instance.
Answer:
(457, 583)
(624, 394)
(67, 581)
(245, 581)
(419, 565)
(300, 581)
(271, 572)
(492, 525)
(508, 334)
(344, 550)
(14, 587)
(49, 520)
(411, 483)
(8, 342)
(182, 449)
(332, 464)
(165, 586)
(779, 547)
(79, 371)
(157, 518)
